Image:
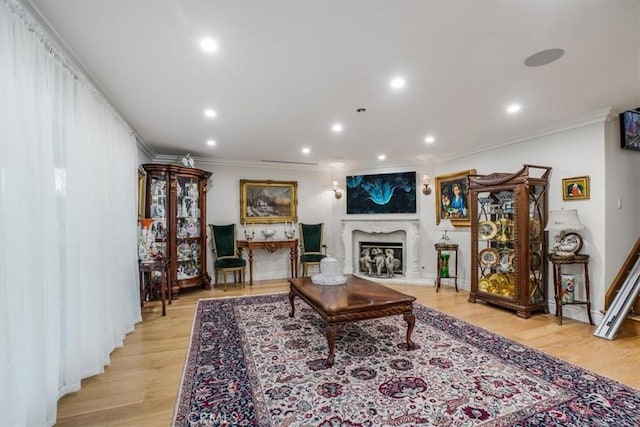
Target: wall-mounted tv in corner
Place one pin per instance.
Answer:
(630, 129)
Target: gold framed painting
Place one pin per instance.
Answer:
(452, 198)
(142, 191)
(576, 188)
(268, 202)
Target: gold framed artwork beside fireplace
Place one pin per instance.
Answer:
(452, 198)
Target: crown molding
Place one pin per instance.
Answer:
(598, 116)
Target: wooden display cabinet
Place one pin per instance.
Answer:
(176, 200)
(508, 245)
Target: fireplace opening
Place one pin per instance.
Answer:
(381, 259)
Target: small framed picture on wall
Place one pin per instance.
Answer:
(576, 188)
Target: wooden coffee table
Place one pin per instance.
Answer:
(357, 299)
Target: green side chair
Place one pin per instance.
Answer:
(312, 248)
(225, 254)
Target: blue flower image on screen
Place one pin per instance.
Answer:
(381, 193)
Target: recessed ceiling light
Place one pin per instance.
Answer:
(209, 45)
(397, 83)
(336, 164)
(544, 57)
(306, 150)
(429, 139)
(210, 113)
(336, 127)
(513, 108)
(211, 142)
(382, 157)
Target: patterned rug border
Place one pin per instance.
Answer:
(432, 317)
(188, 355)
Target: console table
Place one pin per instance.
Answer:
(146, 286)
(270, 246)
(558, 261)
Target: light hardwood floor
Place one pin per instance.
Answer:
(140, 386)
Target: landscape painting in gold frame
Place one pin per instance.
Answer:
(452, 198)
(268, 202)
(576, 188)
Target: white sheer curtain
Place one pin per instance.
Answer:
(68, 263)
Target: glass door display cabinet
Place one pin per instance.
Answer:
(508, 245)
(176, 201)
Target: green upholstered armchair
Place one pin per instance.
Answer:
(225, 253)
(312, 248)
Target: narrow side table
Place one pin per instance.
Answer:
(146, 281)
(558, 261)
(444, 251)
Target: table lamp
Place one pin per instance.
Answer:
(445, 226)
(560, 222)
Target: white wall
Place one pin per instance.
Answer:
(622, 200)
(574, 152)
(142, 157)
(591, 149)
(315, 204)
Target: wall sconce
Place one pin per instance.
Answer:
(426, 190)
(336, 191)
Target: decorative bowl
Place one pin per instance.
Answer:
(268, 233)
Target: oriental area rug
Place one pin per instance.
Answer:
(250, 364)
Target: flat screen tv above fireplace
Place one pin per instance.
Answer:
(387, 193)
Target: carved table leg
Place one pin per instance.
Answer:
(332, 331)
(293, 307)
(206, 282)
(250, 267)
(410, 318)
(588, 299)
(292, 262)
(163, 288)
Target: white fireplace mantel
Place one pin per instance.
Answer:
(377, 226)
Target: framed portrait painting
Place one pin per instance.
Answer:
(268, 202)
(576, 188)
(452, 198)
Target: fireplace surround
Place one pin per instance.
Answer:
(383, 230)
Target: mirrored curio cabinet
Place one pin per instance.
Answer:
(176, 200)
(508, 244)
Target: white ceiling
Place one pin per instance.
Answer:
(285, 71)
